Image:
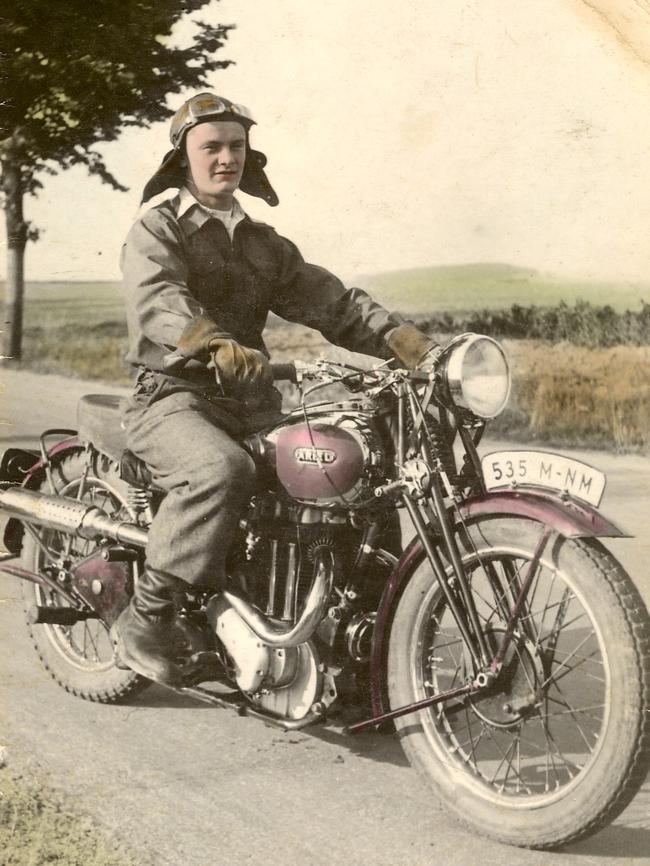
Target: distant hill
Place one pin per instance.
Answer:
(424, 291)
(462, 288)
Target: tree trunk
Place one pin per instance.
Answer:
(16, 241)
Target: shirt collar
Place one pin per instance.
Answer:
(194, 214)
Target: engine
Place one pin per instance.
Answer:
(274, 562)
(280, 548)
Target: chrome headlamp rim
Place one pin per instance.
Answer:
(451, 373)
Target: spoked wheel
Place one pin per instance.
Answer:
(79, 657)
(560, 743)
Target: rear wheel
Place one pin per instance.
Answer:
(560, 744)
(79, 657)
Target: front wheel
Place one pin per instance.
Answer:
(560, 744)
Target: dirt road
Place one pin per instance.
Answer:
(188, 785)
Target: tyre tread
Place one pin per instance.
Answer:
(635, 612)
(132, 684)
(117, 695)
(633, 618)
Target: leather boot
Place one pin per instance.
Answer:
(144, 631)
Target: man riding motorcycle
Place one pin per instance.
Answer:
(200, 278)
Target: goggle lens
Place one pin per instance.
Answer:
(207, 104)
(203, 106)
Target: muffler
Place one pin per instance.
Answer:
(68, 515)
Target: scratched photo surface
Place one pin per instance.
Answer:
(461, 161)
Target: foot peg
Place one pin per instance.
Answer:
(119, 664)
(57, 615)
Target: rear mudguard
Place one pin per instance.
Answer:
(568, 518)
(33, 477)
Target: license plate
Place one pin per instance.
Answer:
(542, 469)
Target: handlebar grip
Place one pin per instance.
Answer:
(284, 371)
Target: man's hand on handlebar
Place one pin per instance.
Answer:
(240, 370)
(412, 347)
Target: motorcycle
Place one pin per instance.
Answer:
(505, 643)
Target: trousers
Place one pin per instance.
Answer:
(207, 476)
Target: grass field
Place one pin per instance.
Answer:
(464, 288)
(576, 396)
(562, 394)
(53, 304)
(421, 291)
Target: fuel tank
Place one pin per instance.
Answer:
(330, 460)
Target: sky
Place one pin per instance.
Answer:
(402, 135)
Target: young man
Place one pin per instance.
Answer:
(200, 278)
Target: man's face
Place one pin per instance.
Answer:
(216, 152)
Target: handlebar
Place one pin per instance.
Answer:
(286, 372)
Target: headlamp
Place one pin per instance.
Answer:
(475, 375)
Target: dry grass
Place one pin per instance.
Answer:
(38, 827)
(562, 394)
(577, 396)
(73, 352)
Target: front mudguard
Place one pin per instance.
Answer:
(566, 517)
(28, 469)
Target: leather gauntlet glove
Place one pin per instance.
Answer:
(241, 370)
(411, 346)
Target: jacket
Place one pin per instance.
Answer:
(178, 270)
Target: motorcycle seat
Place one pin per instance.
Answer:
(99, 420)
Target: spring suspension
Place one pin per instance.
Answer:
(138, 499)
(442, 445)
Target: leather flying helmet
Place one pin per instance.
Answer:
(199, 109)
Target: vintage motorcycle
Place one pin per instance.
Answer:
(507, 645)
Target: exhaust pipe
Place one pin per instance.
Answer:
(275, 636)
(68, 515)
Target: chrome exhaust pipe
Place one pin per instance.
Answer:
(68, 515)
(276, 636)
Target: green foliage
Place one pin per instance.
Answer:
(583, 324)
(38, 827)
(74, 74)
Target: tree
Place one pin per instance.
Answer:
(74, 74)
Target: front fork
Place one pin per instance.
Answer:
(423, 494)
(457, 590)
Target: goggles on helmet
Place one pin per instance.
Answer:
(203, 107)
